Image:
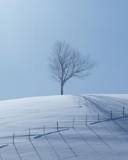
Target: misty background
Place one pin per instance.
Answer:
(29, 29)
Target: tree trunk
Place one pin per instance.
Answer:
(62, 88)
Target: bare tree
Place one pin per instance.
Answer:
(66, 63)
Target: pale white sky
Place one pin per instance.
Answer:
(29, 28)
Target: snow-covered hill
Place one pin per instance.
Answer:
(64, 127)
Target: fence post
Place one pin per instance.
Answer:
(111, 115)
(73, 123)
(123, 112)
(29, 134)
(43, 129)
(98, 116)
(86, 119)
(13, 138)
(57, 125)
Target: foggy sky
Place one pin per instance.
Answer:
(29, 29)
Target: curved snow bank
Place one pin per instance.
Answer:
(21, 114)
(31, 112)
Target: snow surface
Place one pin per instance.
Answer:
(56, 128)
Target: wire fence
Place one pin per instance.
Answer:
(60, 126)
(71, 122)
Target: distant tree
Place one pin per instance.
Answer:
(66, 63)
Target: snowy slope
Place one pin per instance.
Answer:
(35, 121)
